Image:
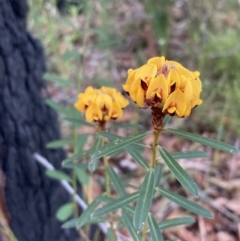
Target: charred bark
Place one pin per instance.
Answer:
(26, 125)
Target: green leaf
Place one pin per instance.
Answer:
(82, 176)
(176, 222)
(205, 141)
(166, 120)
(126, 125)
(72, 54)
(80, 142)
(129, 224)
(58, 143)
(154, 229)
(188, 154)
(76, 165)
(158, 174)
(77, 156)
(144, 201)
(116, 181)
(71, 223)
(137, 156)
(56, 79)
(84, 217)
(57, 107)
(113, 137)
(92, 165)
(115, 204)
(65, 211)
(182, 176)
(117, 145)
(78, 121)
(58, 175)
(183, 202)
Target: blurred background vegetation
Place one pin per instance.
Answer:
(95, 42)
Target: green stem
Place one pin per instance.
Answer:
(144, 232)
(108, 191)
(156, 134)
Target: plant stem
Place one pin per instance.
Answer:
(108, 191)
(144, 232)
(156, 134)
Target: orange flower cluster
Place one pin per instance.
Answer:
(101, 104)
(166, 85)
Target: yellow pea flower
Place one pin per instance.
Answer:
(165, 85)
(102, 104)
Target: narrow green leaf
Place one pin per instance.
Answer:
(115, 204)
(78, 121)
(65, 211)
(166, 120)
(76, 165)
(86, 215)
(129, 224)
(58, 143)
(77, 156)
(80, 142)
(82, 176)
(71, 223)
(155, 231)
(205, 141)
(182, 176)
(137, 156)
(56, 79)
(113, 137)
(58, 175)
(109, 135)
(183, 202)
(73, 53)
(176, 222)
(158, 174)
(188, 154)
(117, 144)
(144, 200)
(126, 125)
(116, 181)
(93, 163)
(57, 107)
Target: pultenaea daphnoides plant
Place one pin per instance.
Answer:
(169, 89)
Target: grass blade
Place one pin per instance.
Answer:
(183, 202)
(144, 200)
(205, 141)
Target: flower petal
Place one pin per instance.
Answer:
(158, 61)
(93, 112)
(158, 87)
(175, 103)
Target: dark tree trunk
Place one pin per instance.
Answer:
(26, 125)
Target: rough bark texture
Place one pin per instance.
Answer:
(26, 125)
